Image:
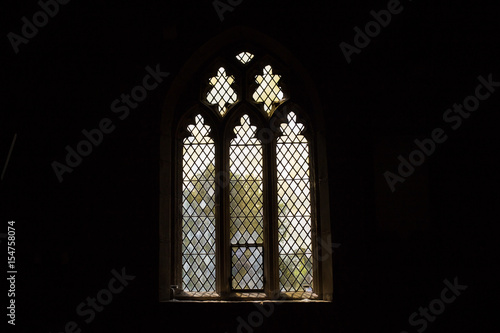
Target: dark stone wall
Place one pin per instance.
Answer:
(396, 248)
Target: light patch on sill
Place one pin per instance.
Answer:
(253, 297)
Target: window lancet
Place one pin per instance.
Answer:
(222, 93)
(246, 208)
(294, 208)
(198, 209)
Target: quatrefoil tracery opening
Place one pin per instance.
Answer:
(222, 94)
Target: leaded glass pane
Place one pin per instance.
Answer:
(198, 209)
(247, 268)
(244, 57)
(222, 94)
(294, 208)
(268, 92)
(246, 207)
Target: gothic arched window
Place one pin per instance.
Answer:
(244, 218)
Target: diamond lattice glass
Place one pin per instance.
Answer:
(268, 92)
(221, 93)
(294, 208)
(244, 57)
(246, 207)
(198, 209)
(247, 268)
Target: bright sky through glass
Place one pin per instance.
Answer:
(248, 146)
(268, 92)
(293, 181)
(222, 94)
(244, 57)
(245, 140)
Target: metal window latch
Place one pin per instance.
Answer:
(173, 290)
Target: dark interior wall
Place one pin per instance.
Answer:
(396, 248)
